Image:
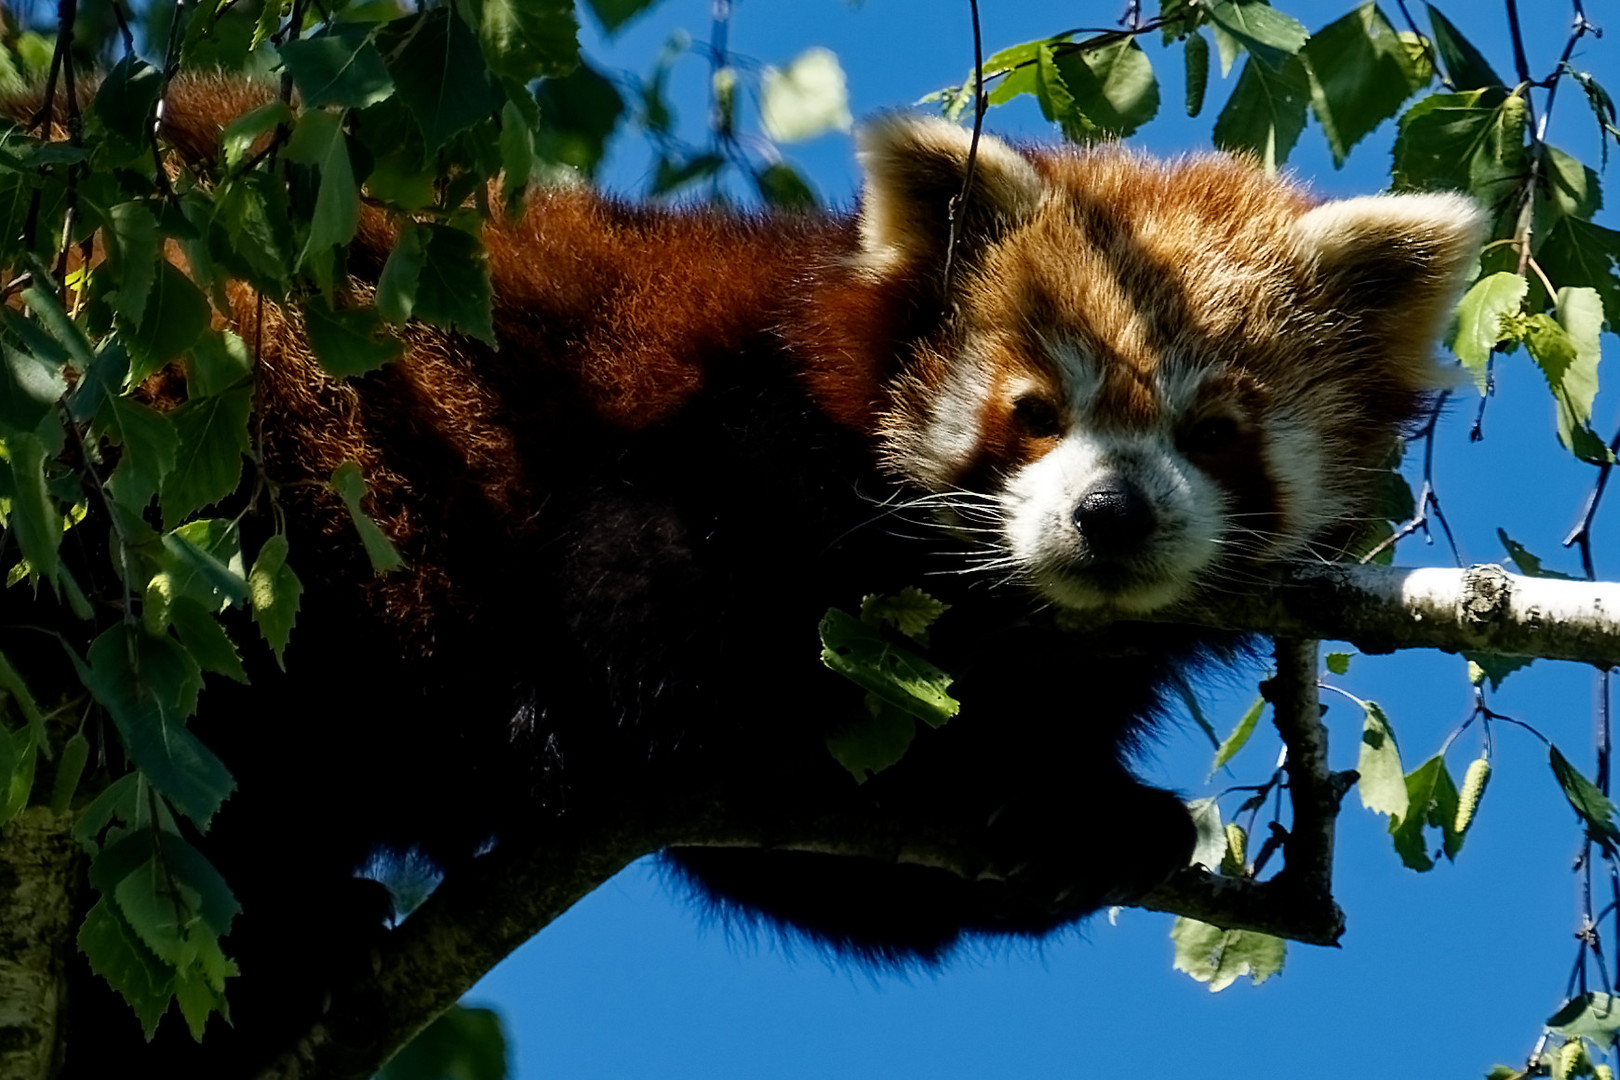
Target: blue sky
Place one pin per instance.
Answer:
(1440, 974)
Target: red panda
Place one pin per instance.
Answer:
(1141, 381)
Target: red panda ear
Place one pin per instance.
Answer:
(914, 167)
(1394, 265)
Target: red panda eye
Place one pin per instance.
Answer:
(1037, 416)
(1210, 435)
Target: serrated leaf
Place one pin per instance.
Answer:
(528, 39)
(13, 687)
(1572, 187)
(807, 98)
(149, 446)
(517, 154)
(1431, 801)
(1587, 800)
(238, 136)
(348, 342)
(1526, 563)
(1220, 957)
(125, 101)
(218, 361)
(1271, 36)
(340, 67)
(1383, 781)
(1594, 1015)
(448, 89)
(891, 672)
(1266, 112)
(116, 954)
(396, 286)
(1239, 736)
(274, 591)
(158, 911)
(31, 517)
(204, 561)
(453, 287)
(318, 141)
(874, 742)
(1359, 74)
(208, 465)
(176, 315)
(1471, 141)
(1567, 352)
(1492, 667)
(910, 611)
(1464, 65)
(1338, 662)
(130, 236)
(1479, 321)
(30, 386)
(578, 114)
(350, 486)
(206, 640)
(1577, 253)
(1113, 89)
(149, 686)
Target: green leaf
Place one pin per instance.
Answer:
(1567, 353)
(807, 98)
(274, 592)
(525, 40)
(149, 685)
(396, 287)
(1526, 563)
(150, 444)
(1270, 36)
(176, 315)
(464, 1044)
(1211, 847)
(1266, 112)
(1239, 736)
(250, 230)
(130, 236)
(517, 153)
(204, 560)
(1338, 662)
(240, 134)
(218, 361)
(1383, 784)
(1587, 800)
(125, 102)
(1472, 141)
(14, 688)
(891, 672)
(348, 342)
(206, 640)
(208, 465)
(318, 141)
(32, 518)
(1479, 321)
(1360, 74)
(1196, 57)
(614, 14)
(30, 386)
(1464, 65)
(1577, 253)
(350, 486)
(782, 188)
(453, 288)
(1220, 957)
(1483, 666)
(1572, 187)
(339, 67)
(1112, 89)
(1431, 801)
(872, 744)
(1593, 1015)
(116, 954)
(910, 611)
(448, 88)
(578, 113)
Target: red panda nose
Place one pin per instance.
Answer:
(1113, 518)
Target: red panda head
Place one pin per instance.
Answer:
(1146, 378)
